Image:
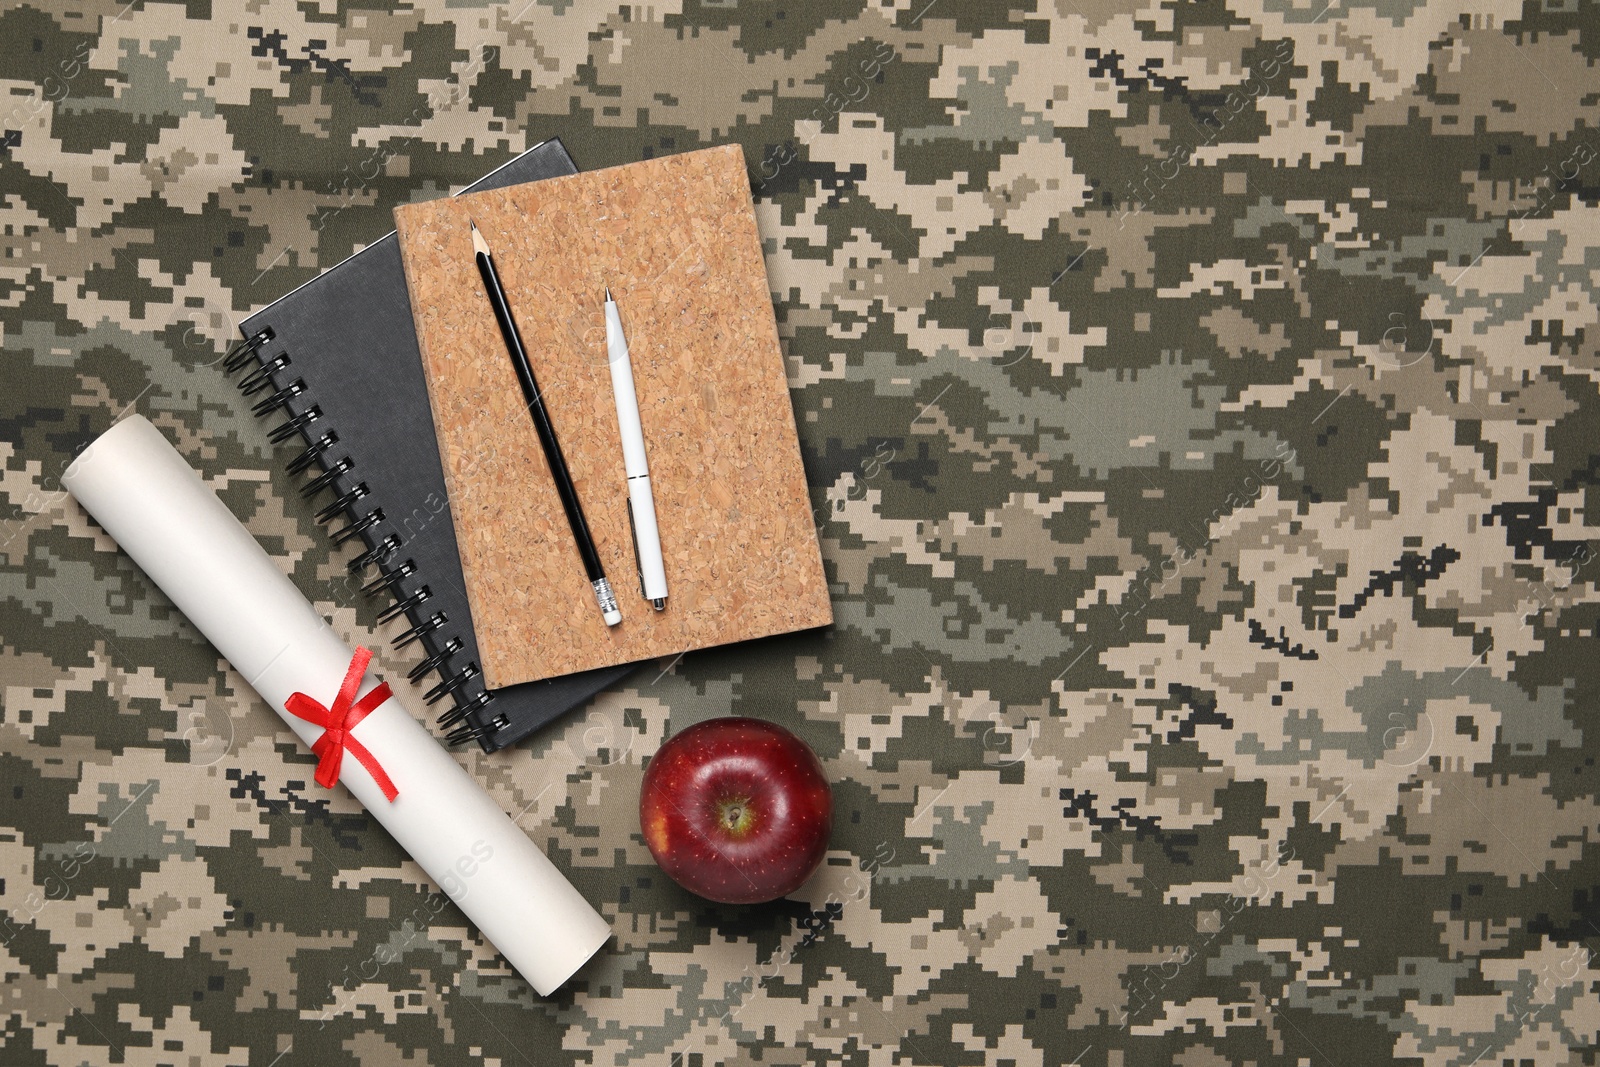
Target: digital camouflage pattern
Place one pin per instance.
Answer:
(1200, 409)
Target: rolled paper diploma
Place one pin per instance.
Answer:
(156, 507)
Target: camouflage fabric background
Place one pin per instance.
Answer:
(1200, 408)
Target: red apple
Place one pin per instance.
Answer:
(736, 810)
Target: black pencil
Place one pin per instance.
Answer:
(547, 433)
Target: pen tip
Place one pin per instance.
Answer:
(608, 292)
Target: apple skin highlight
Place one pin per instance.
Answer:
(737, 810)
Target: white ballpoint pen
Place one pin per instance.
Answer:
(641, 501)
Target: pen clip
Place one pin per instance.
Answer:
(638, 558)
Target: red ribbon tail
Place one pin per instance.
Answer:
(365, 757)
(330, 758)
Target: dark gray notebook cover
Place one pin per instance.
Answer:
(348, 337)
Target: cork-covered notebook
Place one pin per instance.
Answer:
(675, 239)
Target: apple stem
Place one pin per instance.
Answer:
(735, 815)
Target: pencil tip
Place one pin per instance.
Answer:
(478, 243)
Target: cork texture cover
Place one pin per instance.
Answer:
(676, 240)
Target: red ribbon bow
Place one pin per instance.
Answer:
(337, 723)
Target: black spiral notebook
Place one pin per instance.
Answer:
(337, 360)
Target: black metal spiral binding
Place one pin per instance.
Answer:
(281, 398)
(401, 582)
(402, 607)
(295, 424)
(376, 554)
(386, 581)
(345, 501)
(366, 522)
(261, 377)
(448, 649)
(466, 731)
(460, 711)
(327, 477)
(244, 351)
(451, 684)
(303, 462)
(426, 626)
